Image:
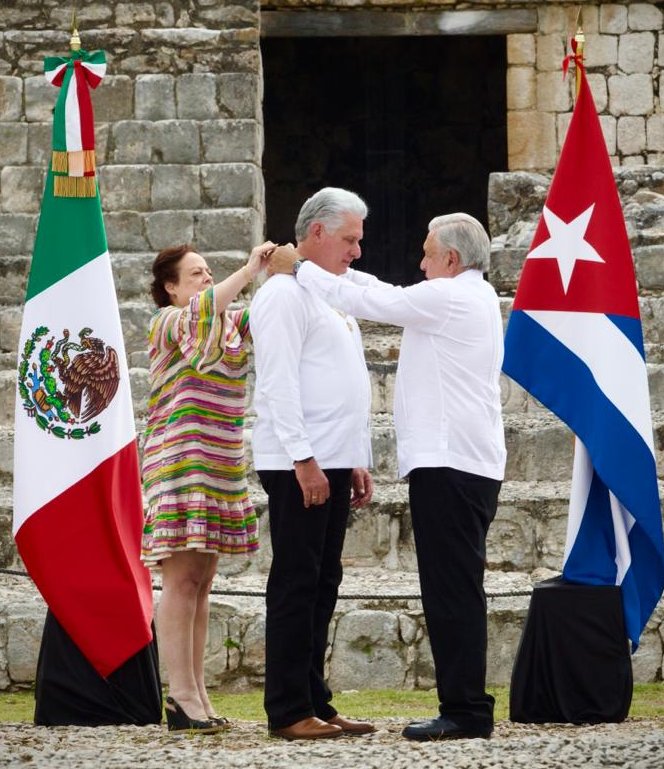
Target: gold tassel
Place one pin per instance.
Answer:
(59, 162)
(89, 163)
(74, 186)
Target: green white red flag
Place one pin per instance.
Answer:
(78, 509)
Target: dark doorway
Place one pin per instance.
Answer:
(412, 124)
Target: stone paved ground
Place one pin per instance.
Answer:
(634, 744)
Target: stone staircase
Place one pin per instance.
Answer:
(184, 164)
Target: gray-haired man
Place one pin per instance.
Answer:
(450, 444)
(311, 447)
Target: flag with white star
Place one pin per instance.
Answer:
(574, 341)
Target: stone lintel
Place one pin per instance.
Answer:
(362, 23)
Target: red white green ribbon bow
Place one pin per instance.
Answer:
(73, 159)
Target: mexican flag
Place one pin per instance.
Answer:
(77, 497)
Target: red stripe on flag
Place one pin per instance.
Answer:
(82, 550)
(84, 108)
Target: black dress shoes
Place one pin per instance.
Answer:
(442, 728)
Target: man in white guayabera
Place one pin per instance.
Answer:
(450, 443)
(311, 447)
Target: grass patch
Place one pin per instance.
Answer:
(647, 702)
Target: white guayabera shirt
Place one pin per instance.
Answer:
(447, 409)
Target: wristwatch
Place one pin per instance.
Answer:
(297, 264)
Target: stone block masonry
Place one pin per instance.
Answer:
(180, 140)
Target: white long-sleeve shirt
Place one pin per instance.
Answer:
(447, 409)
(312, 394)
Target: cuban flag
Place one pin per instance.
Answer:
(574, 341)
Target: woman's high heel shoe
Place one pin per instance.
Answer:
(221, 721)
(179, 721)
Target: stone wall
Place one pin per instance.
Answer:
(180, 139)
(624, 53)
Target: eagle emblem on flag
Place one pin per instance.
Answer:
(65, 382)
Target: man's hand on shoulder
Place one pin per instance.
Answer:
(282, 259)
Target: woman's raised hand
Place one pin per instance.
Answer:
(258, 258)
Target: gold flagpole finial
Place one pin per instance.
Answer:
(580, 40)
(75, 40)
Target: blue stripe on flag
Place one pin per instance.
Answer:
(564, 384)
(631, 328)
(592, 559)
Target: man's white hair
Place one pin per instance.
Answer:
(328, 206)
(465, 235)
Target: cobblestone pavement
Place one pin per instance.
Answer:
(634, 744)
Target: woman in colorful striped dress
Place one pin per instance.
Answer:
(194, 472)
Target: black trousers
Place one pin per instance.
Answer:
(301, 594)
(451, 512)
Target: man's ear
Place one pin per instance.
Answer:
(317, 230)
(455, 259)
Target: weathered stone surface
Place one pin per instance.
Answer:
(521, 49)
(176, 187)
(39, 144)
(114, 99)
(521, 89)
(532, 139)
(550, 52)
(600, 50)
(155, 97)
(165, 228)
(196, 96)
(599, 91)
(223, 229)
(128, 14)
(125, 188)
(655, 132)
(644, 16)
(13, 279)
(17, 233)
(131, 142)
(19, 185)
(631, 135)
(14, 145)
(366, 653)
(636, 52)
(630, 94)
(40, 97)
(125, 231)
(24, 634)
(11, 98)
(176, 141)
(612, 19)
(240, 95)
(553, 94)
(231, 185)
(231, 141)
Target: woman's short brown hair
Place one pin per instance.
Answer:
(165, 270)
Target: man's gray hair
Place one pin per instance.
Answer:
(465, 235)
(328, 206)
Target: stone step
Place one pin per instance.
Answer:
(377, 638)
(381, 364)
(528, 532)
(539, 445)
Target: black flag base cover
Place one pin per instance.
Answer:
(573, 664)
(70, 692)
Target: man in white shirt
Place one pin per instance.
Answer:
(450, 444)
(311, 447)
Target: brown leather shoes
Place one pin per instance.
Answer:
(352, 727)
(308, 729)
